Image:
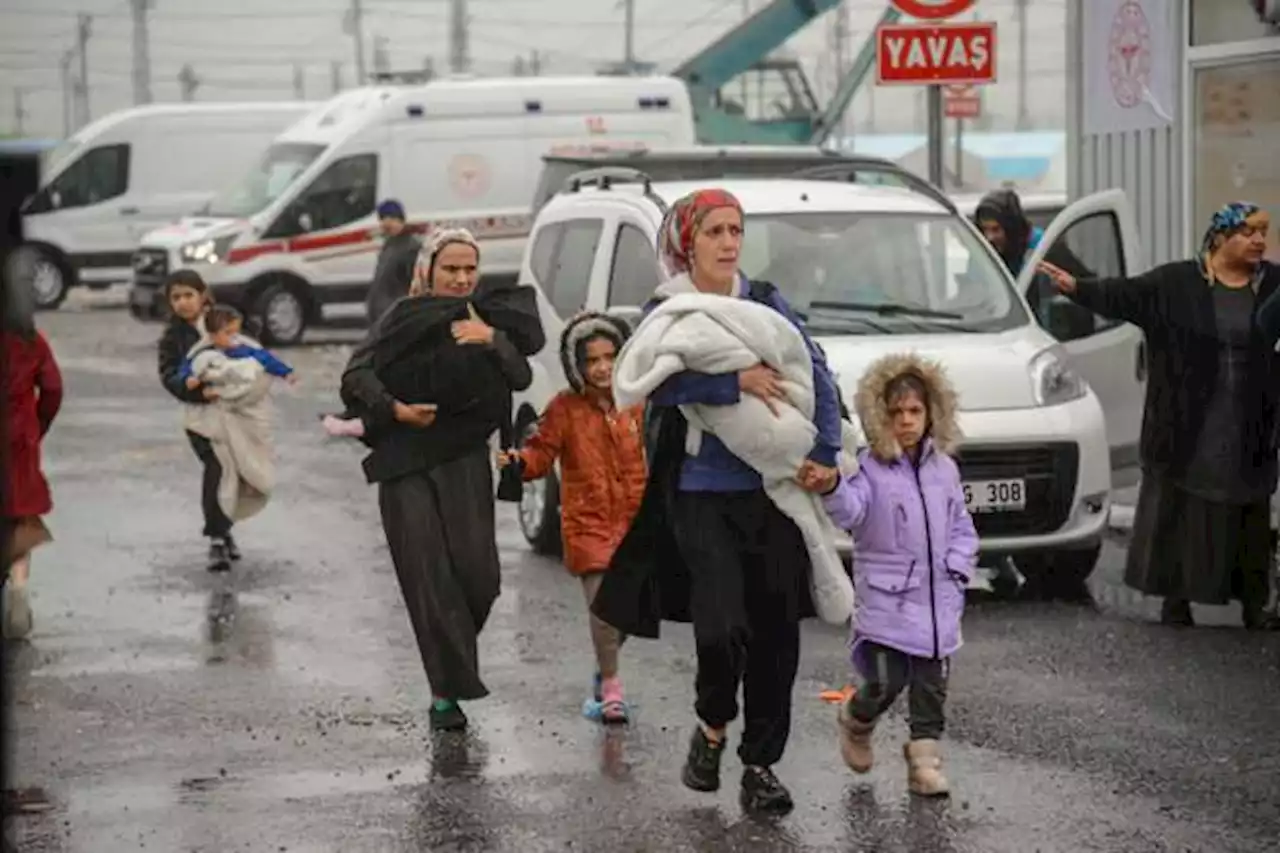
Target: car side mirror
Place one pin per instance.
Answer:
(1067, 321)
(55, 199)
(304, 221)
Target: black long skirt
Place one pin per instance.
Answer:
(440, 529)
(1207, 552)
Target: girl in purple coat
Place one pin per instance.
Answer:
(914, 552)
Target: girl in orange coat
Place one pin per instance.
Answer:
(602, 476)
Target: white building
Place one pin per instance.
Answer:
(1178, 102)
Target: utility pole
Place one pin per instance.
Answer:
(459, 37)
(299, 82)
(335, 76)
(1024, 113)
(141, 52)
(64, 71)
(84, 29)
(629, 42)
(189, 82)
(840, 43)
(535, 64)
(381, 56)
(353, 25)
(19, 110)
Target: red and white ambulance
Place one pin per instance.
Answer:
(299, 234)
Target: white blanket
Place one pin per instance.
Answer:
(719, 334)
(238, 425)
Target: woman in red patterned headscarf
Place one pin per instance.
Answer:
(708, 545)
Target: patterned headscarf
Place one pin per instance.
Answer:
(437, 240)
(681, 224)
(1227, 220)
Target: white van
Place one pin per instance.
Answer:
(131, 171)
(876, 268)
(300, 232)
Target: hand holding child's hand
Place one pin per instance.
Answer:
(508, 457)
(817, 478)
(192, 383)
(210, 393)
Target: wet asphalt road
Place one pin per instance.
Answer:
(284, 707)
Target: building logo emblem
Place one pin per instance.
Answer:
(469, 175)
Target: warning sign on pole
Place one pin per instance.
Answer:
(936, 53)
(961, 101)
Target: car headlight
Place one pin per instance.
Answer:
(1054, 381)
(209, 251)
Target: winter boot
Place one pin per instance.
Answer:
(855, 740)
(924, 769)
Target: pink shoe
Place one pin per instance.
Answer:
(339, 428)
(613, 710)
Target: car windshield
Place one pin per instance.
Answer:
(881, 273)
(278, 169)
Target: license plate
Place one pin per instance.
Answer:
(995, 495)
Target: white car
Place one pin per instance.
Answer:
(876, 268)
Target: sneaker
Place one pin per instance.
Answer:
(702, 767)
(233, 550)
(762, 793)
(219, 557)
(447, 717)
(18, 620)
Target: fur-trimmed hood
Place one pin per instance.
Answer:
(586, 325)
(873, 412)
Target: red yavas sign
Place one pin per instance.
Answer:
(961, 102)
(936, 53)
(932, 10)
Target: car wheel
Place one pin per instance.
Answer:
(281, 314)
(540, 514)
(50, 279)
(1060, 574)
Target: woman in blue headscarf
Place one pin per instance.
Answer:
(1208, 448)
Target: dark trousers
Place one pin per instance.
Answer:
(440, 530)
(888, 672)
(748, 570)
(216, 522)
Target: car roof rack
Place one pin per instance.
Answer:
(606, 177)
(849, 170)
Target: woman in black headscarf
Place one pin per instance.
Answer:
(432, 383)
(1208, 449)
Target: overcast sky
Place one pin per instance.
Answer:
(246, 49)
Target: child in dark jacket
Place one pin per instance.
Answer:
(189, 299)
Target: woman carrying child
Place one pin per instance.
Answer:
(602, 476)
(915, 548)
(426, 390)
(189, 299)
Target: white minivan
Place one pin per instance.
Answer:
(876, 260)
(131, 171)
(299, 233)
